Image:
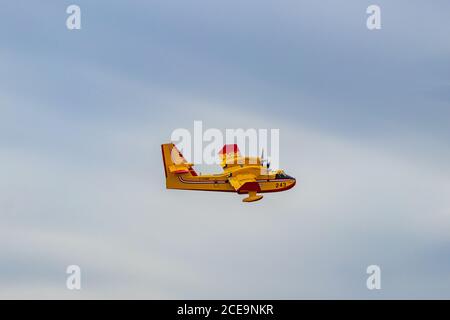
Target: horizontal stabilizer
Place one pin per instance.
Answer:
(180, 168)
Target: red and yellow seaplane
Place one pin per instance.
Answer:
(244, 175)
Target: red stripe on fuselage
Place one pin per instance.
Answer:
(222, 182)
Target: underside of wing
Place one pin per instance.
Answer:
(244, 183)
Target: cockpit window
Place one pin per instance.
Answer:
(282, 175)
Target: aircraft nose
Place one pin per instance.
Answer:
(292, 184)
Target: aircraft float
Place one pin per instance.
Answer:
(243, 175)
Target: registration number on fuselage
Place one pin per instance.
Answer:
(280, 185)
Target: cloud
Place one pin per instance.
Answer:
(83, 117)
(354, 205)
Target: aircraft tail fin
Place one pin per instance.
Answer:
(174, 162)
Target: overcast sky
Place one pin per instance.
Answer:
(364, 127)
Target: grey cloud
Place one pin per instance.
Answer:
(363, 121)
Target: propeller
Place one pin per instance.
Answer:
(264, 160)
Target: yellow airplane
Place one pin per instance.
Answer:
(240, 174)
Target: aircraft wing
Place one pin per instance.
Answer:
(243, 183)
